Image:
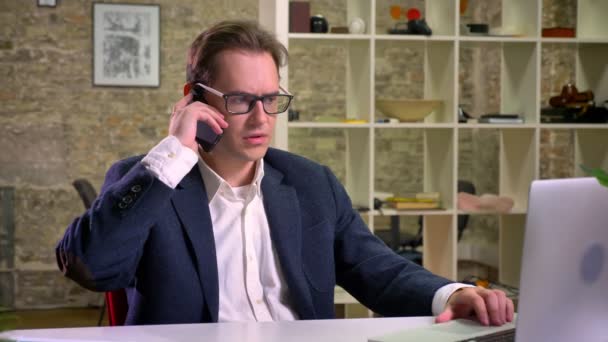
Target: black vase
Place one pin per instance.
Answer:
(318, 24)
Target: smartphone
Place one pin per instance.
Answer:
(205, 136)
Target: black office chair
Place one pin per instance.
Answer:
(86, 191)
(87, 194)
(405, 245)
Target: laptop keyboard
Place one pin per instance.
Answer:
(501, 336)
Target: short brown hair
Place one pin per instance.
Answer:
(229, 35)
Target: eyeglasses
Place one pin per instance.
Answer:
(243, 103)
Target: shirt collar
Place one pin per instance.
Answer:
(213, 181)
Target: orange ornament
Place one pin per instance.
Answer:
(396, 12)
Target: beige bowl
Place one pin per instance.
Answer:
(408, 110)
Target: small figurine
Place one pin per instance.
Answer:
(414, 25)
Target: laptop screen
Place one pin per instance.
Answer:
(564, 278)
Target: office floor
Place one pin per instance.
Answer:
(54, 318)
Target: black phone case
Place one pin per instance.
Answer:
(205, 136)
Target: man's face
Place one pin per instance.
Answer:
(248, 135)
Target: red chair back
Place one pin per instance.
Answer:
(117, 304)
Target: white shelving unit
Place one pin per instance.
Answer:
(520, 84)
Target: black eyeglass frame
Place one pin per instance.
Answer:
(252, 103)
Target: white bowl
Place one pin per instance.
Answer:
(408, 110)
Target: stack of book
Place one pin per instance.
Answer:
(419, 201)
(501, 119)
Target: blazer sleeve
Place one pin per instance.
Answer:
(368, 269)
(101, 249)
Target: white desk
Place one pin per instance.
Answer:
(342, 330)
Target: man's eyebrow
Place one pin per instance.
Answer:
(238, 92)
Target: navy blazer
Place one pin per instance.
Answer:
(157, 242)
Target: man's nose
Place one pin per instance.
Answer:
(257, 113)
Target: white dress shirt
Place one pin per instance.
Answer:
(251, 283)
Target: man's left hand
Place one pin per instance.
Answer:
(487, 306)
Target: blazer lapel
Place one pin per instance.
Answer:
(283, 213)
(191, 204)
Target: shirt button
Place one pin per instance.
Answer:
(122, 205)
(250, 258)
(259, 301)
(171, 155)
(136, 188)
(127, 199)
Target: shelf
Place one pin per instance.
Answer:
(293, 124)
(329, 36)
(497, 126)
(413, 125)
(394, 212)
(497, 39)
(341, 75)
(573, 126)
(429, 64)
(559, 40)
(440, 14)
(350, 77)
(574, 40)
(516, 81)
(514, 211)
(411, 37)
(523, 15)
(598, 41)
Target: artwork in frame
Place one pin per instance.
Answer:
(126, 45)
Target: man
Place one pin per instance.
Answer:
(244, 232)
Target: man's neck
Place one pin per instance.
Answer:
(235, 172)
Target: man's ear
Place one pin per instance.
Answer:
(187, 88)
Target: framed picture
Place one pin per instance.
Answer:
(126, 45)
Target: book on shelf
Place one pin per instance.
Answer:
(501, 119)
(414, 205)
(418, 201)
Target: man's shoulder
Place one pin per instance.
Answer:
(288, 162)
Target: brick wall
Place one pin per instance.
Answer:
(55, 126)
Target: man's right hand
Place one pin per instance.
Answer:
(185, 115)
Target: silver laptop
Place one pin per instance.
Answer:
(564, 276)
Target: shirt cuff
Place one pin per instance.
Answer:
(443, 294)
(170, 161)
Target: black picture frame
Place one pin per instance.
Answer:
(126, 45)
